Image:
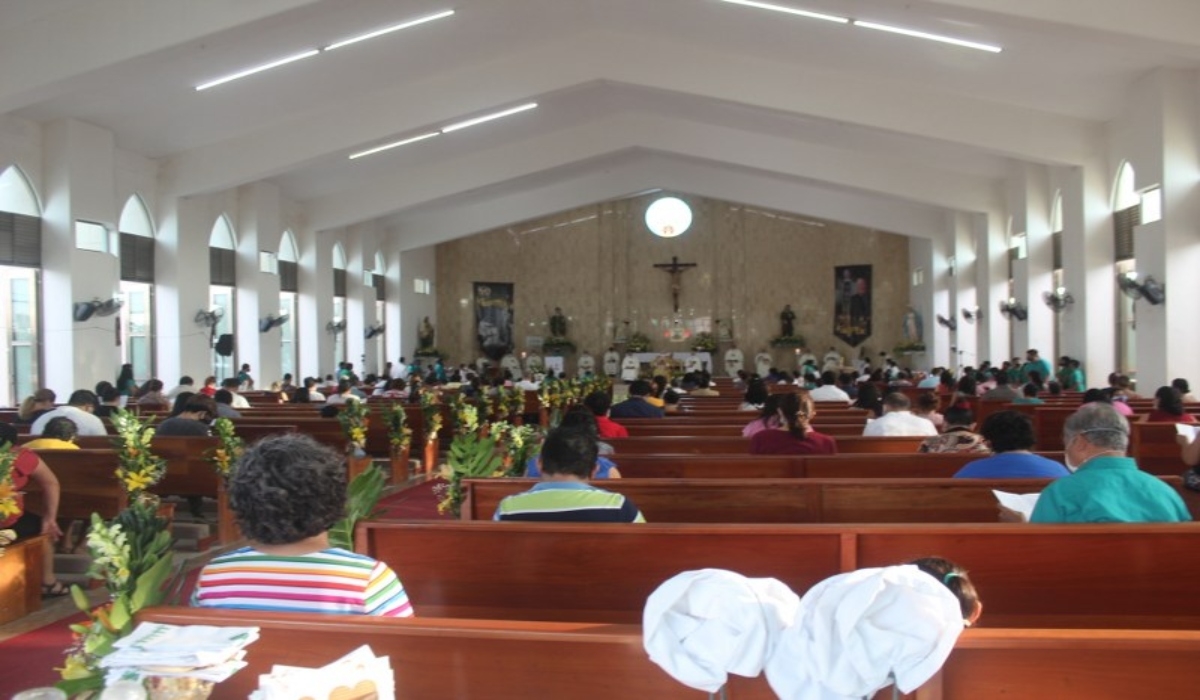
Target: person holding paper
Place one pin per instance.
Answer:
(1107, 486)
(286, 492)
(1010, 435)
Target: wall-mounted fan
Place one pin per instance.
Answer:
(1058, 300)
(266, 323)
(947, 322)
(971, 315)
(84, 310)
(374, 330)
(209, 318)
(1014, 309)
(335, 327)
(1149, 289)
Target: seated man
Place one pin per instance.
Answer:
(1107, 486)
(287, 492)
(232, 385)
(568, 459)
(600, 403)
(1010, 435)
(636, 406)
(898, 420)
(81, 409)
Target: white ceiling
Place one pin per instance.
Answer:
(704, 85)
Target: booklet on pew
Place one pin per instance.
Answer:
(1022, 503)
(359, 675)
(191, 651)
(1188, 431)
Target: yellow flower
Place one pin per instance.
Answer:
(137, 481)
(74, 668)
(8, 508)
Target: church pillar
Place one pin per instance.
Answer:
(995, 342)
(79, 186)
(315, 302)
(1036, 267)
(257, 291)
(966, 280)
(1087, 249)
(923, 297)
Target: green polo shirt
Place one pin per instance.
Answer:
(1110, 490)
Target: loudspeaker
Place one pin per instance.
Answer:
(225, 345)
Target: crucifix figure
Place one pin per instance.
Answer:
(676, 270)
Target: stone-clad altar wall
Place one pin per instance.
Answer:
(596, 262)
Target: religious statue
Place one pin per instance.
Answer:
(558, 324)
(913, 328)
(762, 363)
(612, 362)
(425, 335)
(586, 366)
(724, 330)
(734, 361)
(675, 269)
(622, 335)
(787, 321)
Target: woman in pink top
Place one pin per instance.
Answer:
(794, 435)
(768, 418)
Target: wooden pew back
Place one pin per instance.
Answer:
(857, 466)
(741, 446)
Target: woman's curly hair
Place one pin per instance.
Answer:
(287, 488)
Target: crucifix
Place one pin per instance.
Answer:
(676, 270)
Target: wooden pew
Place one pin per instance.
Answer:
(21, 578)
(1131, 576)
(665, 429)
(858, 466)
(786, 500)
(741, 446)
(490, 659)
(1153, 446)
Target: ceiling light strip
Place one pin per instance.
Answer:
(926, 35)
(389, 30)
(397, 144)
(488, 117)
(790, 11)
(257, 69)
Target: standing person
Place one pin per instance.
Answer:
(245, 381)
(794, 434)
(287, 492)
(1107, 486)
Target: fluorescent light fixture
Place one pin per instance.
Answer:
(257, 69)
(397, 144)
(488, 117)
(389, 30)
(925, 35)
(790, 11)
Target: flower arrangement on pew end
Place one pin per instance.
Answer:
(138, 468)
(9, 505)
(355, 420)
(493, 450)
(399, 434)
(229, 447)
(431, 411)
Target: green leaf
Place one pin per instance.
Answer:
(77, 686)
(149, 588)
(119, 615)
(80, 598)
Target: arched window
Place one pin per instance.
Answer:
(339, 302)
(222, 275)
(289, 271)
(137, 287)
(20, 267)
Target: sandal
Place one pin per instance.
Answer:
(55, 590)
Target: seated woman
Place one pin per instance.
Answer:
(581, 418)
(22, 524)
(1168, 407)
(286, 492)
(927, 408)
(794, 435)
(756, 396)
(768, 417)
(59, 434)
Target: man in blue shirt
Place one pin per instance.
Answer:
(636, 405)
(1011, 437)
(1107, 486)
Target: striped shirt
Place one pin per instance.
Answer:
(568, 501)
(330, 581)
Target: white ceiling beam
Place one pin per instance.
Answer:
(572, 61)
(49, 46)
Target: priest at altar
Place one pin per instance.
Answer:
(612, 363)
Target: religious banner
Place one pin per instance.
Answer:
(852, 302)
(494, 318)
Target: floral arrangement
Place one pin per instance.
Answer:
(518, 444)
(229, 447)
(132, 556)
(399, 434)
(431, 410)
(638, 342)
(429, 352)
(466, 418)
(472, 455)
(704, 342)
(138, 469)
(354, 418)
(10, 505)
(558, 346)
(909, 347)
(788, 341)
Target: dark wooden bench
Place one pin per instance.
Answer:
(490, 659)
(728, 466)
(797, 500)
(741, 446)
(1028, 575)
(1153, 446)
(21, 578)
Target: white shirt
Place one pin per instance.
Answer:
(314, 395)
(900, 423)
(829, 392)
(239, 402)
(180, 389)
(87, 423)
